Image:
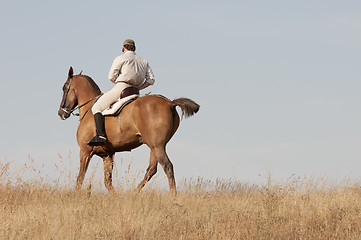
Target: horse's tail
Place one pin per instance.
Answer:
(188, 106)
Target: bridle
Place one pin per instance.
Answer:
(71, 111)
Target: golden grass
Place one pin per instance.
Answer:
(300, 209)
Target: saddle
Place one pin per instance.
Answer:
(127, 96)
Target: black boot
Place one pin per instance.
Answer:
(100, 138)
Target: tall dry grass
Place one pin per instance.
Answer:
(297, 209)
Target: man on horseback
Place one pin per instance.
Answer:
(127, 70)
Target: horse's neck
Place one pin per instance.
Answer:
(86, 91)
(86, 88)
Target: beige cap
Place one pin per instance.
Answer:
(129, 42)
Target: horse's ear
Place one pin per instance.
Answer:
(81, 72)
(71, 72)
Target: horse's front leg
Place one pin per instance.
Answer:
(85, 156)
(108, 162)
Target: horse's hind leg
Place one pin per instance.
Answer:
(85, 156)
(168, 169)
(108, 162)
(151, 170)
(159, 155)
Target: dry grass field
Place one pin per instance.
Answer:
(298, 209)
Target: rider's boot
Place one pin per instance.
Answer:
(100, 138)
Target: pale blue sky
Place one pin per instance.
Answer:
(278, 81)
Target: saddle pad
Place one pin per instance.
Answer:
(116, 107)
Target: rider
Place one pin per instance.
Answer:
(127, 70)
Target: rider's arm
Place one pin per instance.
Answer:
(115, 69)
(144, 85)
(149, 79)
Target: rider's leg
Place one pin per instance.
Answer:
(103, 103)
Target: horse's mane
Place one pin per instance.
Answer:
(91, 81)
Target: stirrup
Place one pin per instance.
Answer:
(98, 141)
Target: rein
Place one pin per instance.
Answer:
(78, 107)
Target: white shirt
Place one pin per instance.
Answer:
(131, 69)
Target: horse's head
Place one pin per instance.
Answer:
(69, 100)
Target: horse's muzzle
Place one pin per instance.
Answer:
(63, 114)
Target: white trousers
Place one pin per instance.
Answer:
(109, 97)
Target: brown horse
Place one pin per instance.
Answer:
(150, 120)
